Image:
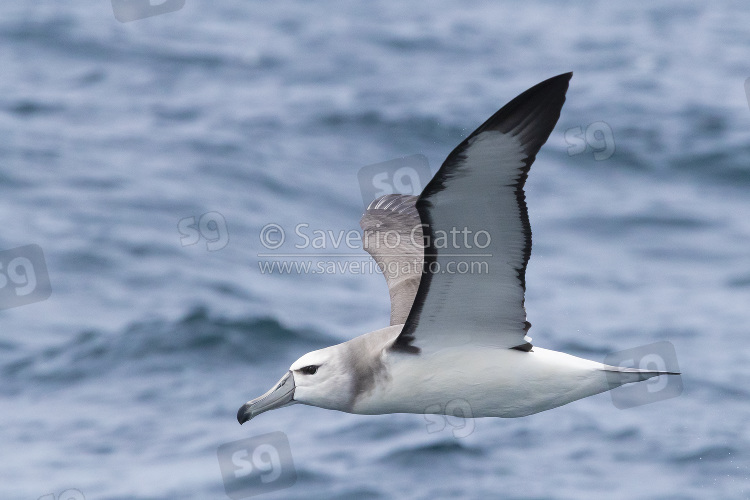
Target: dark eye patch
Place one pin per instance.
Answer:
(309, 370)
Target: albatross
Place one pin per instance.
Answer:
(454, 259)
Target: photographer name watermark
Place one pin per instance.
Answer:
(256, 465)
(273, 236)
(23, 276)
(598, 136)
(407, 175)
(659, 356)
(211, 227)
(132, 10)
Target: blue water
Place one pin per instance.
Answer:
(126, 380)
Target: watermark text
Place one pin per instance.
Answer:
(256, 465)
(23, 276)
(210, 226)
(598, 136)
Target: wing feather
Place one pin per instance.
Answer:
(392, 234)
(477, 233)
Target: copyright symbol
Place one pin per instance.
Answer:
(272, 236)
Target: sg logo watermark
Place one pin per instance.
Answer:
(659, 356)
(23, 277)
(407, 175)
(256, 465)
(598, 136)
(212, 226)
(456, 414)
(71, 494)
(132, 10)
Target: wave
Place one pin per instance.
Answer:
(197, 339)
(706, 453)
(414, 128)
(429, 452)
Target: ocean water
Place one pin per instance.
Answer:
(116, 137)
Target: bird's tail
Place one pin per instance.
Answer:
(618, 376)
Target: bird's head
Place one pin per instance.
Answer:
(318, 379)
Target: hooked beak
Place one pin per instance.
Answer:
(282, 394)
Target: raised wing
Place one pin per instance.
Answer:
(477, 233)
(392, 234)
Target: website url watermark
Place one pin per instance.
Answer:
(369, 266)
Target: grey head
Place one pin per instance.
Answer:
(333, 378)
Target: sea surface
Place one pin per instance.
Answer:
(144, 160)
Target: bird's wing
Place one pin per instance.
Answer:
(392, 234)
(477, 233)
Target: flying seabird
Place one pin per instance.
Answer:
(454, 259)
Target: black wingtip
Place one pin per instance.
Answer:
(542, 102)
(562, 77)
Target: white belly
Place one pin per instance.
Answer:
(492, 382)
